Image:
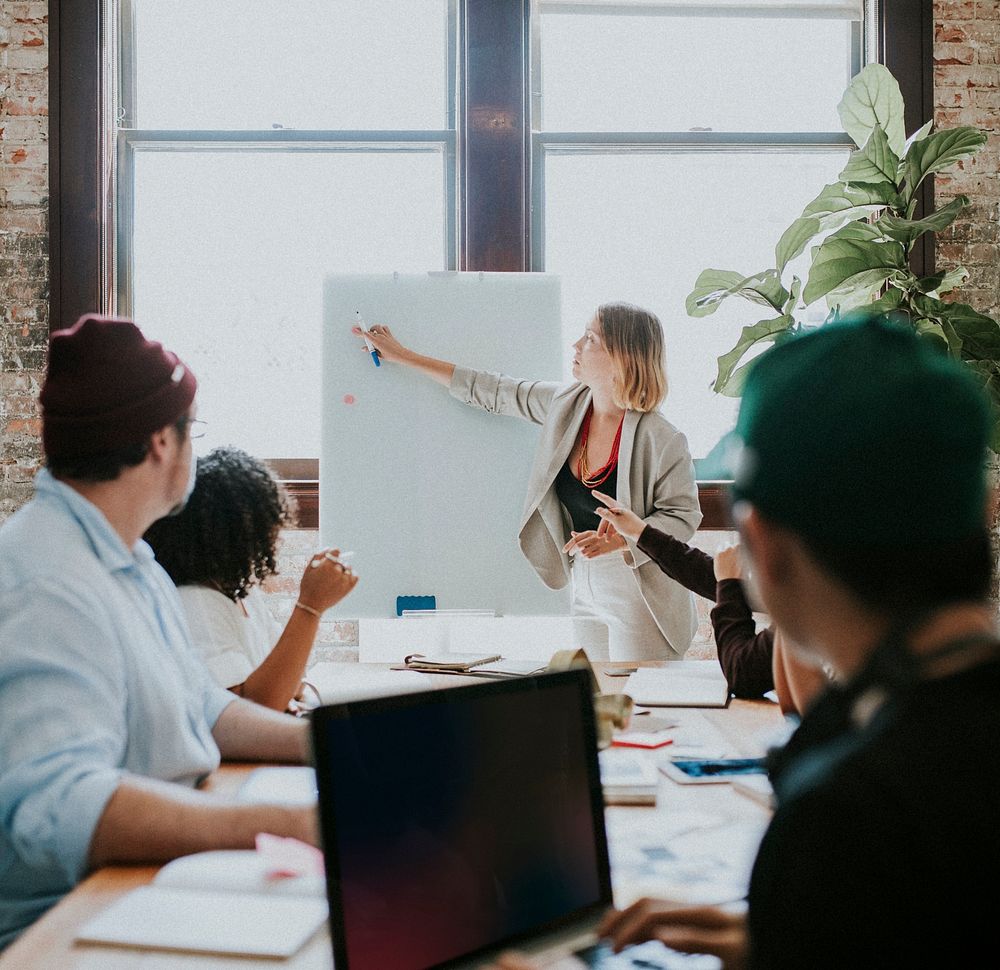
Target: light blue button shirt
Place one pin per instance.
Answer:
(98, 680)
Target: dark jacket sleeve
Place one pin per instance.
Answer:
(744, 654)
(688, 566)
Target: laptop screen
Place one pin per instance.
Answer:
(459, 819)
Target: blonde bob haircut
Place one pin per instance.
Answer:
(634, 339)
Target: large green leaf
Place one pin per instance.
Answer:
(906, 230)
(988, 374)
(763, 330)
(938, 152)
(951, 279)
(710, 289)
(954, 340)
(858, 231)
(839, 203)
(794, 239)
(793, 296)
(847, 264)
(942, 282)
(875, 162)
(737, 380)
(871, 99)
(932, 330)
(764, 289)
(980, 334)
(891, 300)
(922, 132)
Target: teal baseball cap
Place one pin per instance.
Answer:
(861, 431)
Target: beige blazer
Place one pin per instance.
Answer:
(655, 480)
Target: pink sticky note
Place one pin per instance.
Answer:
(286, 857)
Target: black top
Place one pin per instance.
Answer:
(578, 499)
(744, 654)
(885, 845)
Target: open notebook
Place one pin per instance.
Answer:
(679, 683)
(215, 902)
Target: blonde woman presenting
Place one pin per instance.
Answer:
(603, 431)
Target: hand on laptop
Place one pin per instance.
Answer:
(689, 929)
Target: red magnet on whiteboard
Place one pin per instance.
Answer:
(349, 399)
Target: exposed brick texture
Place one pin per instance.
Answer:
(24, 264)
(967, 91)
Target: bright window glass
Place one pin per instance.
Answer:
(261, 64)
(635, 72)
(230, 249)
(641, 226)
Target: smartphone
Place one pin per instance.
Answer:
(707, 771)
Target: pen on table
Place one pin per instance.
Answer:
(368, 343)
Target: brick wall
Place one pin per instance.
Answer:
(24, 273)
(967, 92)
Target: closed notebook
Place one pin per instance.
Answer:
(473, 664)
(215, 902)
(679, 683)
(448, 663)
(628, 777)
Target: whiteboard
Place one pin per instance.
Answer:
(427, 491)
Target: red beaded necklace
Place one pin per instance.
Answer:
(582, 470)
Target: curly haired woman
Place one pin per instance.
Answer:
(218, 551)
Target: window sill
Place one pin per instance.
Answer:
(301, 479)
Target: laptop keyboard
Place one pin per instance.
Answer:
(645, 956)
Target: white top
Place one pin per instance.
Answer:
(232, 643)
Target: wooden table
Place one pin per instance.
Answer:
(49, 943)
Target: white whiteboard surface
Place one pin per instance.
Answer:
(427, 491)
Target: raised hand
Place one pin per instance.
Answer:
(383, 340)
(326, 581)
(727, 563)
(618, 519)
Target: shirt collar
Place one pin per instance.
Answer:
(107, 544)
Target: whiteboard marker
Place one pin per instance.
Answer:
(368, 343)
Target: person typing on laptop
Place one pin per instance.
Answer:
(861, 503)
(109, 720)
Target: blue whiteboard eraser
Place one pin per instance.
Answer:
(415, 603)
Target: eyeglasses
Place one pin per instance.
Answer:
(196, 427)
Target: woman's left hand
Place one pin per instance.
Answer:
(591, 543)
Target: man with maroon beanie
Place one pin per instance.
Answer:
(109, 721)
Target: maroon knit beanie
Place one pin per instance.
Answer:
(108, 387)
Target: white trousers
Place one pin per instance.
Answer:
(606, 588)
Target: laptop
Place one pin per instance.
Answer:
(461, 822)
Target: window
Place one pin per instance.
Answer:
(260, 146)
(668, 144)
(245, 146)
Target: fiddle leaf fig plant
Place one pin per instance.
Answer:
(861, 230)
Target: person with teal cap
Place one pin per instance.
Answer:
(861, 499)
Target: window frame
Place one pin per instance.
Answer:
(495, 161)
